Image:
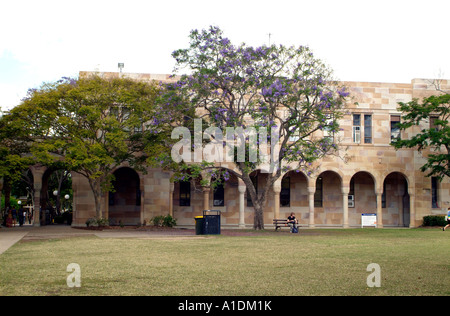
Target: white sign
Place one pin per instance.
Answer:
(368, 219)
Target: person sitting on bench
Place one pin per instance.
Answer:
(292, 221)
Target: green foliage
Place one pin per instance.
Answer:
(434, 220)
(164, 221)
(12, 202)
(89, 125)
(435, 139)
(97, 222)
(90, 222)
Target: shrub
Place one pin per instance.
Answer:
(169, 221)
(91, 222)
(434, 220)
(100, 222)
(164, 221)
(158, 220)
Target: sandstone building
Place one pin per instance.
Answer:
(376, 178)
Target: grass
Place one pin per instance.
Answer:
(315, 262)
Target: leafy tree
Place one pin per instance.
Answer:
(270, 88)
(90, 126)
(435, 138)
(14, 152)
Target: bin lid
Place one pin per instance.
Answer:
(205, 212)
(198, 217)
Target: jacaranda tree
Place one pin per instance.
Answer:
(283, 93)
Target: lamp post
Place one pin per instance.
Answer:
(67, 197)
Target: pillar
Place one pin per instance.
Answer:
(1, 189)
(206, 198)
(142, 197)
(171, 190)
(379, 209)
(345, 191)
(276, 191)
(311, 191)
(412, 209)
(242, 188)
(37, 204)
(38, 174)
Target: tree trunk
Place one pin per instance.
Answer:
(7, 188)
(258, 202)
(258, 221)
(97, 191)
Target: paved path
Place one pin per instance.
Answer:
(12, 235)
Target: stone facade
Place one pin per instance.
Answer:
(376, 178)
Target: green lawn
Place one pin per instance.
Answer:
(314, 262)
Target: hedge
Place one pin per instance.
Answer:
(434, 220)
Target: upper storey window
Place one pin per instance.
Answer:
(357, 128)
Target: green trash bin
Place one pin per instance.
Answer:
(199, 225)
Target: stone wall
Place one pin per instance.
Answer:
(375, 168)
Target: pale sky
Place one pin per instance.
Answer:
(361, 40)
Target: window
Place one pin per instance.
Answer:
(433, 120)
(327, 130)
(285, 194)
(434, 192)
(318, 195)
(185, 193)
(395, 129)
(351, 194)
(367, 129)
(219, 195)
(295, 134)
(255, 184)
(357, 128)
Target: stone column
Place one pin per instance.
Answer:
(38, 173)
(412, 209)
(242, 188)
(379, 210)
(1, 188)
(37, 204)
(142, 199)
(345, 191)
(171, 190)
(276, 191)
(206, 198)
(311, 191)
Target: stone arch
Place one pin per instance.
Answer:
(362, 189)
(328, 198)
(396, 203)
(44, 212)
(125, 203)
(294, 195)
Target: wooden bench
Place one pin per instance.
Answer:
(281, 222)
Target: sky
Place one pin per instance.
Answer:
(361, 40)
